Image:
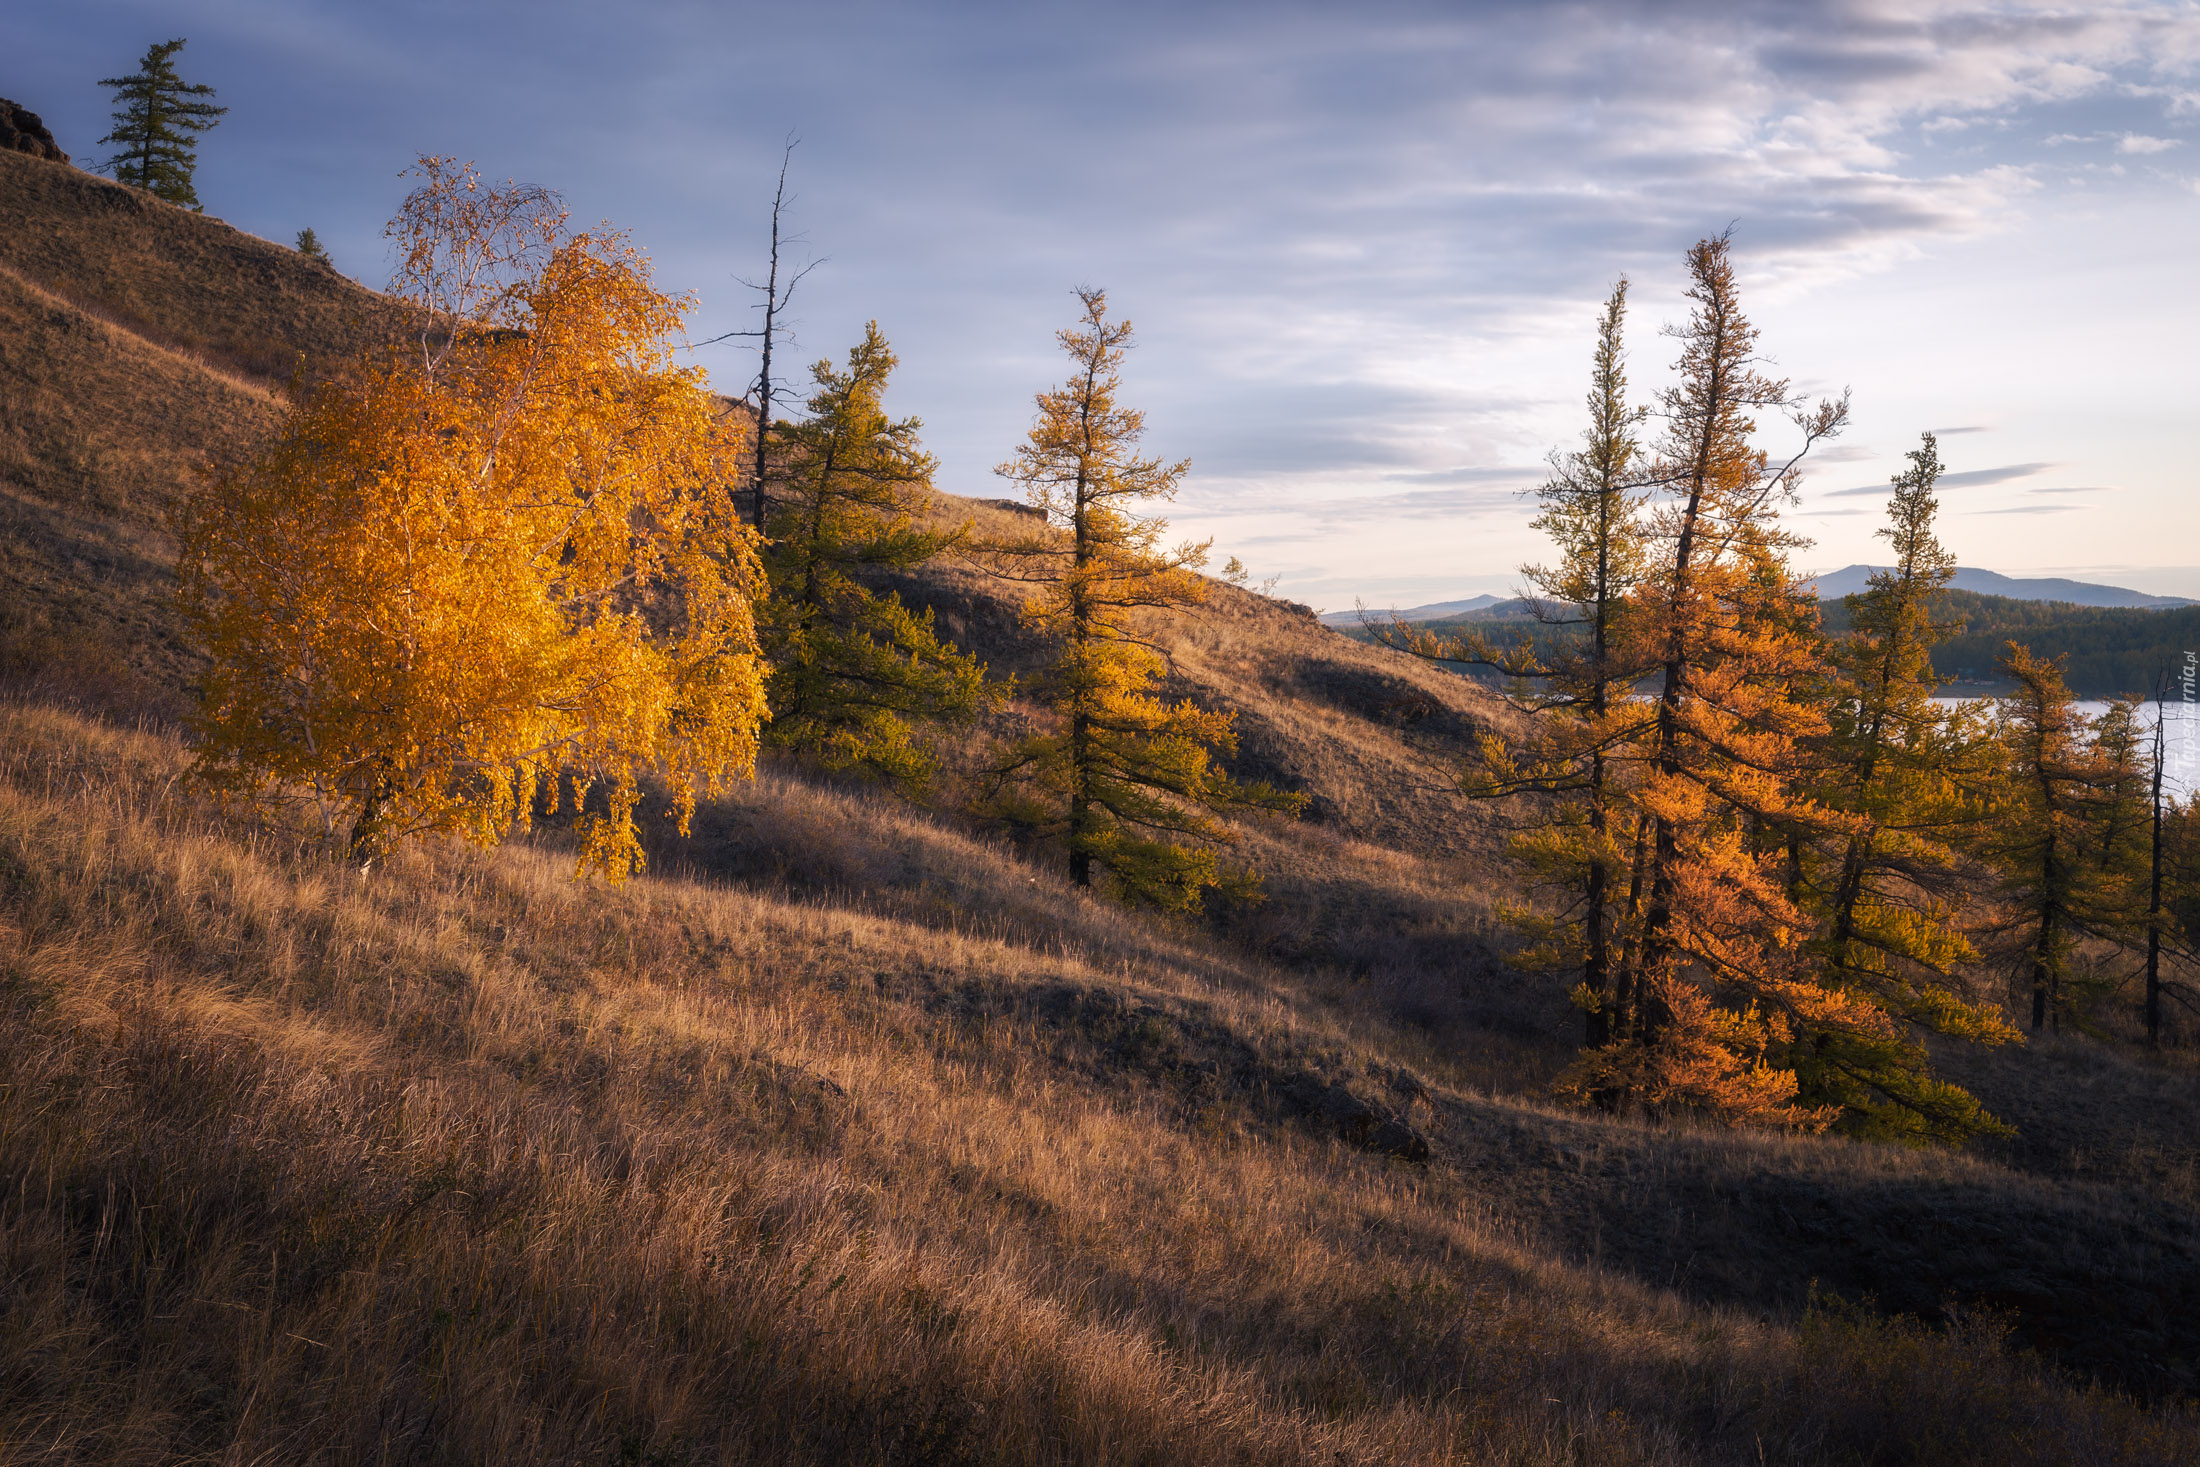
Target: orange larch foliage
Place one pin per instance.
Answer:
(1715, 981)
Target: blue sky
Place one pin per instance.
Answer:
(1363, 245)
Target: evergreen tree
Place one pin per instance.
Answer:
(1910, 774)
(156, 116)
(2120, 799)
(1127, 780)
(309, 245)
(1716, 986)
(2045, 836)
(2159, 815)
(2174, 903)
(1576, 687)
(852, 667)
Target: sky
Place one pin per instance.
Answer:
(1363, 246)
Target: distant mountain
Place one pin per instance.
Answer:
(1435, 611)
(1850, 580)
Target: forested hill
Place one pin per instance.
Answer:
(2106, 650)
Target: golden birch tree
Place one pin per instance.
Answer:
(490, 569)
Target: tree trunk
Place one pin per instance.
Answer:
(2042, 969)
(2154, 895)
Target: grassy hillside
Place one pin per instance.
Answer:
(146, 348)
(853, 1133)
(469, 1162)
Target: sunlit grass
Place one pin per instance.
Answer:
(464, 1161)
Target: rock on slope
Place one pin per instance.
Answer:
(23, 131)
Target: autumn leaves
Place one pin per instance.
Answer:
(496, 570)
(488, 569)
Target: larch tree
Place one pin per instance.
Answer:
(490, 569)
(2174, 900)
(1913, 776)
(2163, 811)
(1577, 685)
(853, 669)
(1127, 780)
(157, 114)
(1716, 985)
(2121, 820)
(2124, 844)
(2044, 834)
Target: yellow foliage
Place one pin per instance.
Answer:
(494, 569)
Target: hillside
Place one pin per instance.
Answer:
(473, 1163)
(147, 347)
(2106, 652)
(851, 1132)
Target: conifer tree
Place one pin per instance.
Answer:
(2174, 896)
(767, 390)
(156, 116)
(2157, 912)
(1716, 986)
(1127, 780)
(1577, 686)
(2120, 799)
(2044, 835)
(1910, 774)
(852, 667)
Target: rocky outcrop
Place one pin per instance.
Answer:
(22, 131)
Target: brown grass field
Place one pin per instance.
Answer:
(852, 1133)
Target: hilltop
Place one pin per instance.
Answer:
(853, 1132)
(147, 347)
(2105, 651)
(1849, 580)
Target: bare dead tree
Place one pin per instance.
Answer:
(774, 306)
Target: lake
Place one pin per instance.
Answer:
(2181, 739)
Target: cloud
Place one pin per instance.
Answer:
(2029, 509)
(1967, 479)
(1350, 235)
(1470, 476)
(1976, 478)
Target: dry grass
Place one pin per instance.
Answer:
(143, 344)
(856, 1134)
(470, 1163)
(184, 281)
(97, 431)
